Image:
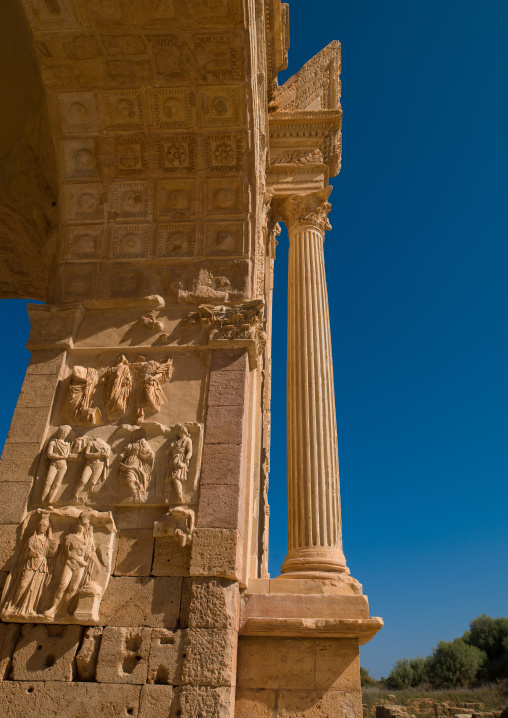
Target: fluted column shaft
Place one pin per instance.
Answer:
(314, 523)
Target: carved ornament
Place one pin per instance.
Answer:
(61, 568)
(240, 321)
(308, 210)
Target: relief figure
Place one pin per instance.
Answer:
(177, 469)
(34, 574)
(151, 375)
(79, 558)
(95, 468)
(178, 522)
(58, 453)
(136, 469)
(77, 405)
(117, 382)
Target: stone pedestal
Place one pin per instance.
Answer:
(314, 525)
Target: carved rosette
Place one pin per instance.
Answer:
(308, 210)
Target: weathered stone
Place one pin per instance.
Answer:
(21, 699)
(38, 391)
(227, 388)
(155, 702)
(210, 603)
(28, 425)
(170, 558)
(19, 461)
(224, 425)
(46, 653)
(8, 540)
(123, 655)
(86, 659)
(89, 700)
(46, 361)
(276, 663)
(255, 704)
(166, 657)
(9, 636)
(229, 360)
(209, 657)
(135, 551)
(216, 552)
(222, 464)
(204, 702)
(220, 507)
(13, 500)
(133, 601)
(318, 704)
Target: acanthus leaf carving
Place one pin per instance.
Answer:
(309, 209)
(240, 321)
(299, 157)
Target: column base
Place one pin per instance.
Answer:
(314, 562)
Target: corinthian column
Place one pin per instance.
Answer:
(314, 525)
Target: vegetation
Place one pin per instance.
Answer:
(420, 701)
(480, 655)
(366, 679)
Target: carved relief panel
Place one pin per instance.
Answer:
(62, 566)
(128, 464)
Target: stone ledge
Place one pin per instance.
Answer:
(363, 629)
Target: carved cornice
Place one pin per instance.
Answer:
(308, 210)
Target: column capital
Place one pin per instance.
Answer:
(308, 210)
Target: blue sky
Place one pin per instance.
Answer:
(416, 266)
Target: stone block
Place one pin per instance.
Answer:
(210, 603)
(276, 663)
(219, 507)
(222, 464)
(139, 601)
(89, 700)
(135, 552)
(255, 704)
(46, 653)
(165, 661)
(224, 425)
(21, 699)
(294, 605)
(227, 388)
(86, 659)
(13, 500)
(155, 702)
(171, 559)
(123, 655)
(337, 664)
(317, 704)
(209, 657)
(216, 552)
(29, 425)
(38, 390)
(229, 360)
(201, 701)
(19, 461)
(46, 361)
(8, 540)
(9, 636)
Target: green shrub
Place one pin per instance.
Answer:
(366, 679)
(491, 636)
(454, 663)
